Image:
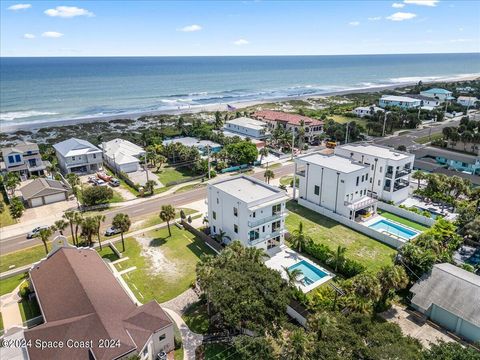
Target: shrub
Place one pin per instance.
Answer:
(177, 340)
(95, 195)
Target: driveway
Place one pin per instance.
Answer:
(140, 177)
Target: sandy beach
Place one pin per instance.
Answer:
(33, 126)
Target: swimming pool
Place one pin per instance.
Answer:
(394, 228)
(310, 272)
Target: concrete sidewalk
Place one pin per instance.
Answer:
(9, 309)
(190, 339)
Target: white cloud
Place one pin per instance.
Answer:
(422, 2)
(241, 42)
(354, 23)
(52, 34)
(191, 28)
(28, 36)
(460, 40)
(374, 18)
(68, 12)
(401, 16)
(398, 5)
(19, 7)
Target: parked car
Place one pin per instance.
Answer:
(161, 356)
(114, 182)
(35, 232)
(92, 179)
(99, 182)
(112, 230)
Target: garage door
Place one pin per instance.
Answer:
(54, 198)
(37, 202)
(127, 168)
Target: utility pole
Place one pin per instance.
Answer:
(346, 133)
(293, 140)
(145, 165)
(208, 154)
(384, 124)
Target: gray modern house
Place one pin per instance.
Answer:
(78, 156)
(24, 158)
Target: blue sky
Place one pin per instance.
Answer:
(148, 28)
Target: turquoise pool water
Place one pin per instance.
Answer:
(393, 228)
(310, 272)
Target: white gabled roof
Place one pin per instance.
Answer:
(74, 147)
(123, 151)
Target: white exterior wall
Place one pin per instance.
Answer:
(378, 179)
(66, 163)
(154, 345)
(245, 130)
(329, 193)
(223, 204)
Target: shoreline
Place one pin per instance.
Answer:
(239, 105)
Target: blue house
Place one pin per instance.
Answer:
(450, 297)
(437, 93)
(452, 160)
(403, 102)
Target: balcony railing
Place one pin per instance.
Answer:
(266, 237)
(398, 174)
(400, 185)
(301, 173)
(360, 204)
(267, 219)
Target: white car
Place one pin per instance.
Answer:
(112, 230)
(36, 231)
(100, 182)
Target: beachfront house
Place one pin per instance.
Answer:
(251, 128)
(78, 156)
(450, 297)
(335, 183)
(467, 100)
(291, 123)
(203, 146)
(437, 93)
(428, 103)
(81, 300)
(363, 111)
(403, 102)
(390, 169)
(24, 159)
(247, 209)
(122, 155)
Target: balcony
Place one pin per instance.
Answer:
(300, 173)
(267, 219)
(398, 174)
(362, 203)
(401, 184)
(266, 237)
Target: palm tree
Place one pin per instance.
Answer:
(70, 217)
(44, 234)
(299, 238)
(150, 186)
(99, 219)
(263, 152)
(77, 220)
(339, 256)
(10, 181)
(391, 278)
(160, 160)
(292, 275)
(167, 214)
(122, 222)
(222, 235)
(269, 174)
(73, 181)
(89, 228)
(61, 225)
(418, 175)
(320, 322)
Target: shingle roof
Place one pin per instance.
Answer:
(42, 187)
(451, 288)
(80, 299)
(123, 151)
(74, 146)
(437, 91)
(292, 119)
(447, 154)
(20, 147)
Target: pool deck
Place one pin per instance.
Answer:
(378, 218)
(287, 257)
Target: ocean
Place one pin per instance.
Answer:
(48, 89)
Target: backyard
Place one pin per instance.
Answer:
(165, 266)
(9, 284)
(402, 220)
(369, 252)
(169, 174)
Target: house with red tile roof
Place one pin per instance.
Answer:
(291, 122)
(88, 314)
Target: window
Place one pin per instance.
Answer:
(263, 228)
(18, 158)
(378, 182)
(363, 178)
(11, 159)
(253, 235)
(217, 200)
(381, 168)
(235, 228)
(94, 156)
(366, 177)
(316, 190)
(276, 225)
(235, 211)
(372, 166)
(276, 209)
(358, 178)
(162, 337)
(214, 229)
(214, 215)
(73, 158)
(254, 214)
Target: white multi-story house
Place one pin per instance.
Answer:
(403, 102)
(251, 128)
(467, 100)
(437, 93)
(428, 103)
(389, 169)
(291, 123)
(363, 111)
(335, 183)
(24, 158)
(78, 156)
(249, 210)
(122, 155)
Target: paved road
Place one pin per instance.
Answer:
(136, 211)
(409, 139)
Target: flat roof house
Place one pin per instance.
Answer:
(78, 156)
(291, 122)
(390, 169)
(363, 111)
(82, 302)
(403, 102)
(25, 159)
(437, 93)
(122, 155)
(43, 191)
(450, 297)
(248, 210)
(201, 145)
(245, 126)
(335, 183)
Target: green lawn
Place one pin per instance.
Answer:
(5, 217)
(402, 220)
(117, 197)
(22, 257)
(344, 119)
(196, 317)
(371, 253)
(174, 271)
(9, 284)
(272, 166)
(426, 139)
(29, 309)
(190, 187)
(169, 174)
(155, 219)
(286, 180)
